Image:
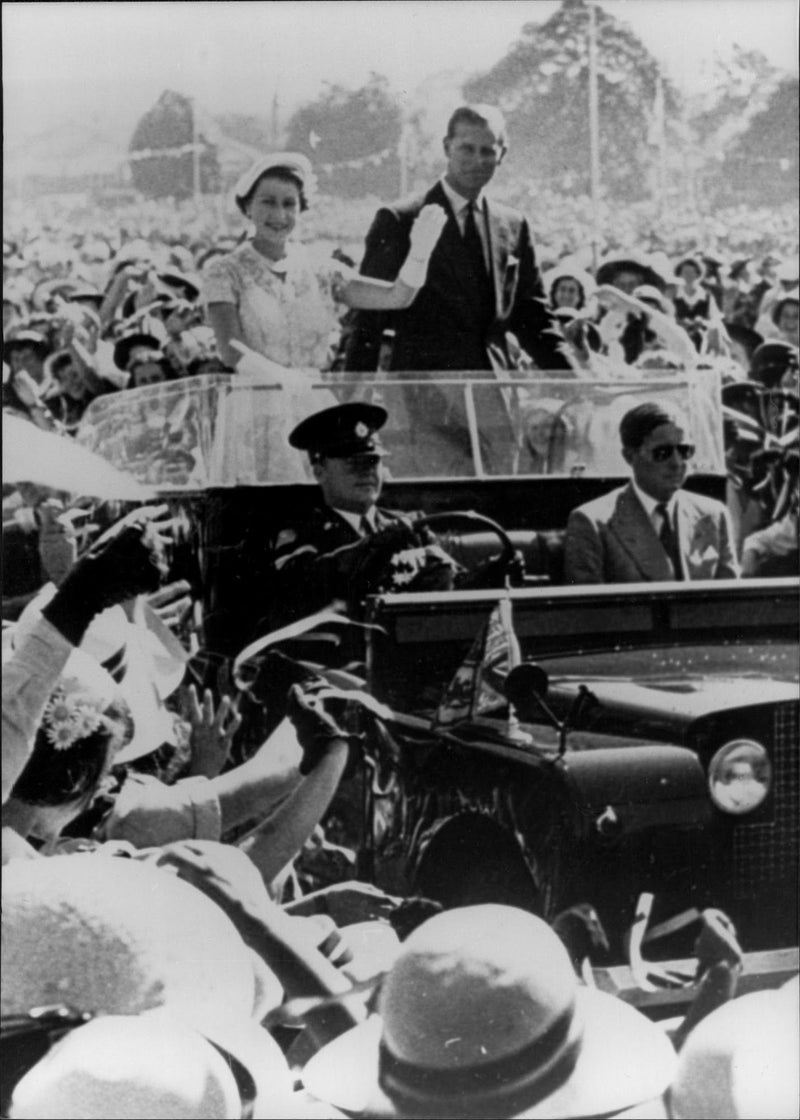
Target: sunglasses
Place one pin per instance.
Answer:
(665, 451)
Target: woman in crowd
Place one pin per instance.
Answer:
(272, 296)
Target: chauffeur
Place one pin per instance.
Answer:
(345, 542)
(651, 529)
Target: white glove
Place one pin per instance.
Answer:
(255, 366)
(425, 234)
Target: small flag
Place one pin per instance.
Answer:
(477, 688)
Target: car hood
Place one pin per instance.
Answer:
(678, 698)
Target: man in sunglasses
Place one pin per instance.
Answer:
(651, 529)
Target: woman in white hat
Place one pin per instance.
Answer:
(271, 295)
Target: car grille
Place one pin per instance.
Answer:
(768, 851)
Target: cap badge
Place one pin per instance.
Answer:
(361, 430)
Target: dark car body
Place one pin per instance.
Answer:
(651, 680)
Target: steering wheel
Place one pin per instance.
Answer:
(454, 543)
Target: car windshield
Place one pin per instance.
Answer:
(218, 430)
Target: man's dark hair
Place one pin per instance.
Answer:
(637, 424)
(484, 115)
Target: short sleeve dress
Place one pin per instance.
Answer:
(289, 314)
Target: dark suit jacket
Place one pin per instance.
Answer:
(612, 540)
(446, 327)
(305, 576)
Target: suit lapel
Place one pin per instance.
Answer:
(636, 534)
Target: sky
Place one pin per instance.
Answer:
(112, 60)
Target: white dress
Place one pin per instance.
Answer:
(289, 314)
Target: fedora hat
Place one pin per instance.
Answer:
(482, 1015)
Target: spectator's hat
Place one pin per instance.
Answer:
(631, 261)
(771, 360)
(693, 260)
(648, 293)
(298, 165)
(789, 271)
(482, 1015)
(115, 937)
(567, 270)
(27, 338)
(124, 346)
(746, 337)
(792, 296)
(182, 284)
(341, 431)
(114, 1068)
(143, 657)
(741, 1060)
(738, 267)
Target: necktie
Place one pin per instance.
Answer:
(473, 245)
(365, 528)
(669, 540)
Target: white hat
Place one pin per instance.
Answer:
(144, 658)
(115, 1067)
(482, 1015)
(294, 162)
(742, 1061)
(108, 935)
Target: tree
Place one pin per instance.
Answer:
(351, 137)
(761, 165)
(169, 128)
(542, 85)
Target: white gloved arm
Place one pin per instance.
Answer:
(377, 295)
(425, 234)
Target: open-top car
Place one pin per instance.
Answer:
(631, 746)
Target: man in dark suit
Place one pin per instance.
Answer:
(482, 284)
(651, 529)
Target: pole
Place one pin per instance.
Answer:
(402, 153)
(195, 153)
(660, 116)
(594, 136)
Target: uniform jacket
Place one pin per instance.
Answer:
(446, 327)
(305, 576)
(612, 540)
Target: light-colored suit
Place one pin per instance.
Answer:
(612, 540)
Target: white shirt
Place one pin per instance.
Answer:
(649, 503)
(354, 519)
(460, 206)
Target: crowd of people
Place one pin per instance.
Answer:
(161, 951)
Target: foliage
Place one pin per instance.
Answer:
(740, 87)
(762, 163)
(542, 85)
(168, 127)
(352, 138)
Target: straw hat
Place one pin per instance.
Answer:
(482, 1015)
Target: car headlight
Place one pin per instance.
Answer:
(739, 776)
